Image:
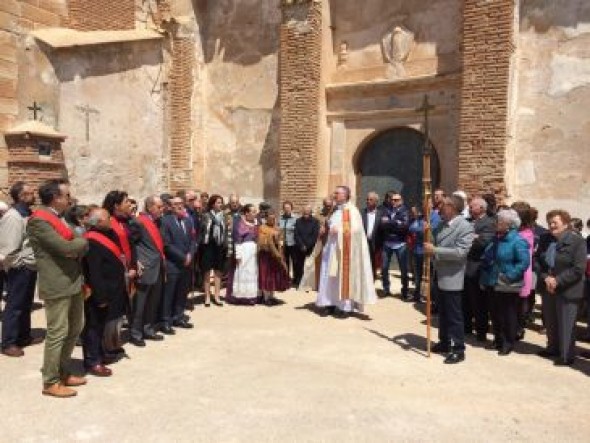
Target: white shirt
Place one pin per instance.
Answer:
(371, 222)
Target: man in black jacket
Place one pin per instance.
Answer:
(307, 231)
(371, 218)
(179, 248)
(104, 269)
(393, 229)
(475, 304)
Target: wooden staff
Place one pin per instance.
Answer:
(427, 202)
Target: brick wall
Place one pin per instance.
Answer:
(25, 164)
(487, 50)
(299, 79)
(17, 19)
(98, 15)
(179, 112)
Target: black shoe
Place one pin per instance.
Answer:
(154, 337)
(547, 353)
(183, 324)
(481, 338)
(440, 348)
(139, 342)
(562, 362)
(496, 344)
(341, 314)
(455, 357)
(207, 305)
(167, 330)
(327, 310)
(217, 303)
(506, 350)
(520, 335)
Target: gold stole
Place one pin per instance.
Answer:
(346, 246)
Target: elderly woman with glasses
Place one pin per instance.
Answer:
(562, 268)
(505, 261)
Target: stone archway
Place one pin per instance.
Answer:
(392, 160)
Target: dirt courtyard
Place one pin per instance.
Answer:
(285, 374)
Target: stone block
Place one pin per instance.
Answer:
(8, 106)
(7, 88)
(8, 70)
(38, 15)
(10, 6)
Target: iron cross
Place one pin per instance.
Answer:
(87, 110)
(35, 108)
(426, 108)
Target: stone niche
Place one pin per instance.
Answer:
(359, 112)
(35, 153)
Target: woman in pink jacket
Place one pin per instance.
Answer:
(527, 294)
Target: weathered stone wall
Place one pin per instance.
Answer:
(25, 73)
(100, 15)
(487, 52)
(126, 146)
(552, 123)
(235, 141)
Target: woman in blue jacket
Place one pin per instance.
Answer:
(504, 263)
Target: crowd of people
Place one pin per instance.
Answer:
(102, 268)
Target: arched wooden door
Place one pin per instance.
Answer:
(392, 160)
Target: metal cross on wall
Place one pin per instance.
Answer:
(87, 110)
(35, 108)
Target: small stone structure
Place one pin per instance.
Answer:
(34, 153)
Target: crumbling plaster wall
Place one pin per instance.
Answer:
(126, 146)
(237, 129)
(552, 130)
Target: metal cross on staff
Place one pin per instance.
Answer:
(427, 197)
(35, 108)
(87, 110)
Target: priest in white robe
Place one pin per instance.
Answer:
(346, 277)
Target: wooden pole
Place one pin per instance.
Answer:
(427, 202)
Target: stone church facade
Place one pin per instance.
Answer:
(284, 99)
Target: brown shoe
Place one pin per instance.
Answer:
(13, 351)
(73, 380)
(58, 390)
(99, 371)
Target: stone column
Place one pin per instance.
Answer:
(488, 28)
(300, 80)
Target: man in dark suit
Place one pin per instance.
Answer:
(371, 218)
(453, 240)
(149, 248)
(104, 270)
(179, 249)
(475, 304)
(307, 231)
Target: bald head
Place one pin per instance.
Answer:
(99, 218)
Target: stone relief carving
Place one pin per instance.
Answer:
(397, 45)
(343, 53)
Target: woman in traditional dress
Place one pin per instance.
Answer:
(272, 269)
(213, 243)
(245, 276)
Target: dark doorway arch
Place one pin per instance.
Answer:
(392, 160)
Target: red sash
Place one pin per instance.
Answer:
(106, 242)
(153, 231)
(347, 241)
(56, 223)
(123, 239)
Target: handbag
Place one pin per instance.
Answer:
(505, 285)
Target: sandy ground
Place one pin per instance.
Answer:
(285, 374)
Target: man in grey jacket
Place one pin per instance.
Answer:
(18, 262)
(453, 240)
